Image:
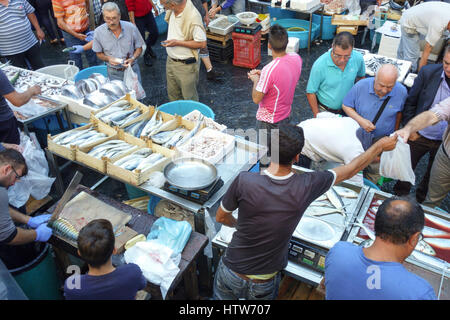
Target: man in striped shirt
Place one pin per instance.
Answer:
(17, 41)
(274, 85)
(72, 19)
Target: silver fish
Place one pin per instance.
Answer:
(120, 104)
(131, 164)
(138, 130)
(93, 139)
(128, 119)
(82, 136)
(66, 134)
(438, 243)
(164, 136)
(166, 126)
(150, 160)
(150, 123)
(444, 224)
(424, 247)
(335, 200)
(175, 138)
(434, 233)
(108, 111)
(120, 115)
(191, 133)
(345, 192)
(151, 164)
(320, 211)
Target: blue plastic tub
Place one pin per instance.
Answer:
(183, 107)
(301, 35)
(161, 23)
(328, 30)
(85, 73)
(279, 13)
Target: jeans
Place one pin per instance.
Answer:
(31, 57)
(237, 7)
(409, 48)
(148, 23)
(228, 286)
(90, 55)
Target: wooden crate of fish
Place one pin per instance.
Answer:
(95, 156)
(208, 144)
(135, 167)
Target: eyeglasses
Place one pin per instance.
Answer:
(338, 56)
(15, 172)
(420, 237)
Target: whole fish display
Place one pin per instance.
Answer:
(131, 161)
(345, 192)
(335, 200)
(164, 136)
(429, 232)
(136, 128)
(110, 149)
(175, 138)
(154, 121)
(127, 119)
(150, 161)
(191, 133)
(165, 126)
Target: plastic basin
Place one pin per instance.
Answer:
(183, 107)
(64, 71)
(301, 35)
(328, 30)
(85, 73)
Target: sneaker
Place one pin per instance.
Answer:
(214, 75)
(148, 61)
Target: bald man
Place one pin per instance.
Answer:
(365, 99)
(376, 273)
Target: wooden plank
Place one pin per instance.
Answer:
(34, 205)
(287, 289)
(316, 295)
(340, 20)
(303, 291)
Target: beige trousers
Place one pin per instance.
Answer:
(182, 80)
(439, 184)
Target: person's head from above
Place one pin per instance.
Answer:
(399, 222)
(96, 242)
(12, 167)
(278, 39)
(341, 48)
(385, 79)
(446, 61)
(172, 4)
(286, 144)
(111, 15)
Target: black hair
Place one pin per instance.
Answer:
(344, 40)
(96, 242)
(290, 143)
(278, 38)
(397, 222)
(15, 159)
(447, 48)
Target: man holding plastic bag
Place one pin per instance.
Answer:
(119, 44)
(439, 184)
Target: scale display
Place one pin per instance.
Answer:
(198, 196)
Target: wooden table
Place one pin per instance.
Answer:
(142, 223)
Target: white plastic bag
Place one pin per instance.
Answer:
(131, 80)
(158, 263)
(36, 183)
(396, 164)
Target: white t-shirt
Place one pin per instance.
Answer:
(174, 32)
(429, 19)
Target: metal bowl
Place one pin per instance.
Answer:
(189, 173)
(71, 91)
(111, 88)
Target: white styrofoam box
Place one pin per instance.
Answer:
(293, 45)
(388, 46)
(304, 4)
(215, 154)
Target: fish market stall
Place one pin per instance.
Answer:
(373, 62)
(431, 258)
(327, 220)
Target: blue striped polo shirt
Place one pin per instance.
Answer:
(15, 28)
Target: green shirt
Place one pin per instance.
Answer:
(331, 84)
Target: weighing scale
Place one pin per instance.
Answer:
(198, 196)
(245, 29)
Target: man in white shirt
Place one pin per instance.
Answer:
(427, 20)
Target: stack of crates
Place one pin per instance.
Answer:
(219, 52)
(247, 49)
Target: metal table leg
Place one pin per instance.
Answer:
(69, 122)
(99, 182)
(309, 32)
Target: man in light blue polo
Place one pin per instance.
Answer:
(334, 74)
(367, 96)
(117, 42)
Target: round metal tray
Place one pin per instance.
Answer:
(190, 173)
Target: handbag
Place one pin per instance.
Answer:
(366, 138)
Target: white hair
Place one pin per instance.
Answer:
(110, 6)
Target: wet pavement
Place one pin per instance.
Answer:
(230, 99)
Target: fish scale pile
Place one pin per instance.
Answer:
(141, 159)
(81, 138)
(168, 134)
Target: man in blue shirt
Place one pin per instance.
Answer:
(364, 100)
(376, 272)
(334, 74)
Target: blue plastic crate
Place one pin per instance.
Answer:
(183, 107)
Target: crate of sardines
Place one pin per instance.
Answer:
(432, 253)
(64, 144)
(120, 111)
(136, 166)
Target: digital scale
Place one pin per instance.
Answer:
(198, 196)
(245, 29)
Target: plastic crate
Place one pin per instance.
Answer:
(247, 50)
(220, 53)
(328, 30)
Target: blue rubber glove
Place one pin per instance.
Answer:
(35, 222)
(43, 233)
(78, 49)
(89, 36)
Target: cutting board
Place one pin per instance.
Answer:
(84, 208)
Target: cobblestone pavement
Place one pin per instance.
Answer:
(230, 98)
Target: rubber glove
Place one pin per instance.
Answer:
(35, 222)
(43, 233)
(78, 49)
(89, 36)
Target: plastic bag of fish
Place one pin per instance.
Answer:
(79, 137)
(141, 159)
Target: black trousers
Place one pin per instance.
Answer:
(419, 148)
(147, 23)
(31, 56)
(43, 8)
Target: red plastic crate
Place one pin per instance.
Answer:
(247, 49)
